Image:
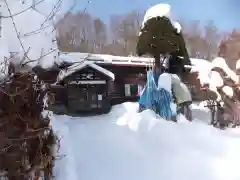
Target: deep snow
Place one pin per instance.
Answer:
(126, 145)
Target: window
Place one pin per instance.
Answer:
(127, 89)
(131, 89)
(134, 89)
(99, 97)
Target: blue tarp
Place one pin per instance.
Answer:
(156, 99)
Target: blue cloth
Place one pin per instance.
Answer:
(156, 99)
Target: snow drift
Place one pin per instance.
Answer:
(128, 145)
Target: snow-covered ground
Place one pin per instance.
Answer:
(126, 145)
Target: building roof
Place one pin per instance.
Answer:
(78, 66)
(104, 59)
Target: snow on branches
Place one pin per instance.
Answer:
(27, 141)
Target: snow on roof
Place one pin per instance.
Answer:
(104, 71)
(75, 57)
(78, 57)
(72, 57)
(160, 10)
(202, 66)
(78, 66)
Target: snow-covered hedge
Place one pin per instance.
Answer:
(26, 139)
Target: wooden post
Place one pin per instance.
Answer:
(157, 70)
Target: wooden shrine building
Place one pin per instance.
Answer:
(85, 88)
(92, 83)
(95, 83)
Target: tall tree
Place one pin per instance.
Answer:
(193, 37)
(76, 33)
(125, 29)
(211, 39)
(66, 32)
(85, 32)
(100, 32)
(233, 47)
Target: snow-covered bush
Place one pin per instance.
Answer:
(27, 40)
(225, 84)
(27, 141)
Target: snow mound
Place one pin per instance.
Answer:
(126, 145)
(203, 67)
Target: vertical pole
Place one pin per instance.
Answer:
(156, 72)
(157, 67)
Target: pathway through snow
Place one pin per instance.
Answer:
(125, 145)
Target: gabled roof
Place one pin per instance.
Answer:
(75, 57)
(78, 66)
